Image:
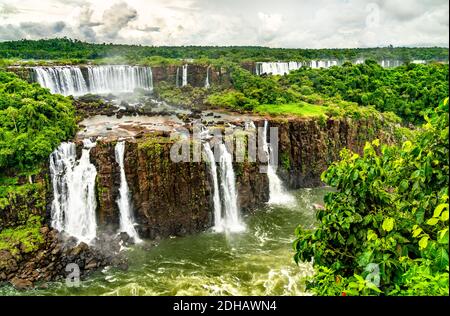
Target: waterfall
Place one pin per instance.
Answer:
(177, 78)
(123, 201)
(69, 80)
(277, 193)
(207, 85)
(65, 80)
(121, 78)
(74, 202)
(226, 210)
(218, 226)
(283, 68)
(232, 221)
(185, 74)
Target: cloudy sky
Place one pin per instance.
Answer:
(281, 23)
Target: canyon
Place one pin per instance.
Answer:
(116, 183)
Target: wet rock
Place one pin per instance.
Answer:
(21, 284)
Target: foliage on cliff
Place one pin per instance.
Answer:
(385, 229)
(407, 90)
(32, 122)
(64, 48)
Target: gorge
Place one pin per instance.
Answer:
(110, 197)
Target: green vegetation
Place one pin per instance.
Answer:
(22, 239)
(188, 96)
(299, 109)
(32, 123)
(385, 229)
(407, 90)
(64, 48)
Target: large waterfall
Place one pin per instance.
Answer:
(123, 201)
(277, 193)
(65, 80)
(74, 202)
(75, 80)
(226, 210)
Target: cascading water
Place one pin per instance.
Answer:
(207, 85)
(277, 193)
(65, 80)
(121, 78)
(226, 210)
(283, 68)
(231, 220)
(123, 201)
(218, 225)
(74, 203)
(69, 80)
(185, 74)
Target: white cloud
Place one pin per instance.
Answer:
(284, 23)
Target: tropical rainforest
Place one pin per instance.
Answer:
(384, 224)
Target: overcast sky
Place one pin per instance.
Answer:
(274, 23)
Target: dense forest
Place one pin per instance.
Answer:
(64, 48)
(391, 207)
(32, 123)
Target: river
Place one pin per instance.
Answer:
(258, 261)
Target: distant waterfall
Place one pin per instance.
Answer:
(65, 80)
(123, 201)
(277, 193)
(207, 85)
(185, 74)
(226, 210)
(69, 80)
(283, 68)
(74, 202)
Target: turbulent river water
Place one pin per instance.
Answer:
(258, 261)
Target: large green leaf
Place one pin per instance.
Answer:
(441, 258)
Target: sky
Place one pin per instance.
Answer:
(281, 23)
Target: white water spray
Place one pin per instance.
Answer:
(277, 193)
(69, 80)
(123, 201)
(185, 74)
(218, 225)
(207, 85)
(231, 220)
(74, 203)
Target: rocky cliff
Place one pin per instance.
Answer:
(168, 198)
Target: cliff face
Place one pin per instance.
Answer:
(175, 198)
(308, 146)
(168, 198)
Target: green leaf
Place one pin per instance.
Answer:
(388, 224)
(423, 243)
(432, 221)
(444, 216)
(373, 287)
(417, 231)
(441, 258)
(439, 209)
